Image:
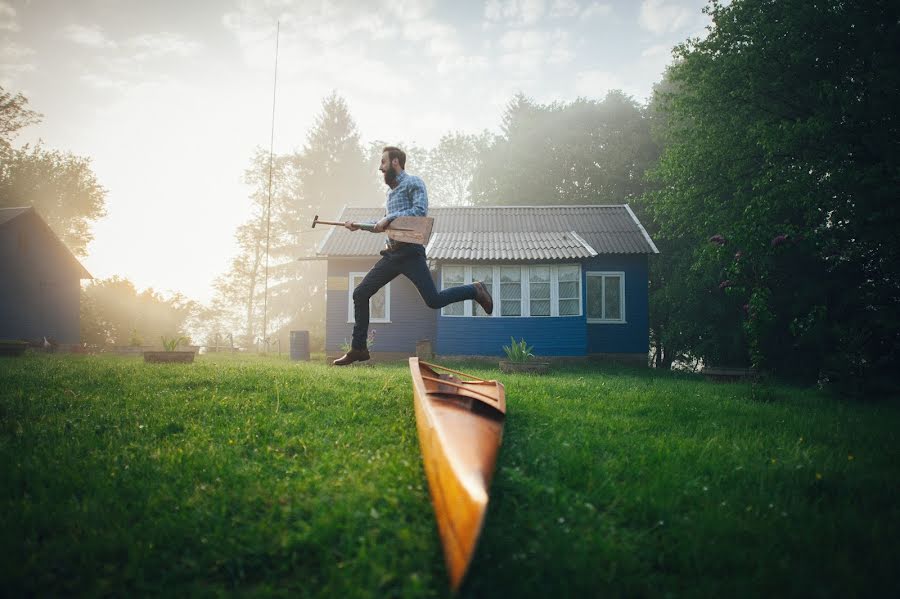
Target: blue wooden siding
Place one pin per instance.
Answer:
(483, 336)
(634, 335)
(411, 319)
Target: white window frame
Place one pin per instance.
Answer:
(351, 319)
(525, 299)
(467, 276)
(603, 274)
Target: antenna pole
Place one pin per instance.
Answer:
(269, 202)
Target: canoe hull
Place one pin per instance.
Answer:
(460, 432)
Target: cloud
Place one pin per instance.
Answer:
(13, 62)
(8, 18)
(90, 36)
(665, 16)
(514, 12)
(596, 9)
(572, 8)
(155, 45)
(528, 50)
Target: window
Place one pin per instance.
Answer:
(537, 290)
(606, 297)
(569, 290)
(510, 291)
(379, 304)
(453, 276)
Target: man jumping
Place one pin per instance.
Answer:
(407, 197)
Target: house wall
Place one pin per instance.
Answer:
(411, 319)
(40, 293)
(561, 336)
(632, 337)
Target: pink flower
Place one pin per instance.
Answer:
(725, 284)
(778, 240)
(717, 239)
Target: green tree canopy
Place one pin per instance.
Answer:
(583, 152)
(781, 168)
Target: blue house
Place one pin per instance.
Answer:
(570, 280)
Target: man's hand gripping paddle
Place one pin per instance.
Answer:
(408, 229)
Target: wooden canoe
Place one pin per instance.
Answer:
(460, 424)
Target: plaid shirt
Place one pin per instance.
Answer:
(408, 198)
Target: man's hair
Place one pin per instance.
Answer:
(395, 153)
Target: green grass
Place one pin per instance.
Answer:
(263, 477)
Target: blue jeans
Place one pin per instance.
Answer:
(406, 259)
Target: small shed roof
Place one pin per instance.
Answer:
(8, 215)
(494, 233)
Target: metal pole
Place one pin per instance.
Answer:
(269, 202)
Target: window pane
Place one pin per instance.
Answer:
(539, 274)
(377, 305)
(457, 309)
(510, 274)
(485, 274)
(451, 277)
(540, 307)
(539, 289)
(568, 273)
(568, 307)
(510, 308)
(612, 291)
(594, 297)
(568, 290)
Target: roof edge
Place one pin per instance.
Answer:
(586, 245)
(641, 227)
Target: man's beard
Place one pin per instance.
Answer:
(390, 177)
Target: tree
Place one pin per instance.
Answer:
(114, 312)
(59, 185)
(329, 172)
(14, 115)
(585, 152)
(781, 167)
(449, 168)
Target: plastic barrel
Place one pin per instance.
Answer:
(300, 345)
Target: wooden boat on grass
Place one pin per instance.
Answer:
(460, 424)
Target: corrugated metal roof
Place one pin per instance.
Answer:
(508, 233)
(525, 245)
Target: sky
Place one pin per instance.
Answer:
(169, 99)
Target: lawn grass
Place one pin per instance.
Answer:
(265, 477)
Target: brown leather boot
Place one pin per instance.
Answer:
(354, 355)
(483, 298)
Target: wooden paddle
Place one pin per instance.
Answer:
(408, 229)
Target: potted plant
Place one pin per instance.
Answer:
(519, 358)
(169, 353)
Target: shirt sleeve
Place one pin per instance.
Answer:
(419, 200)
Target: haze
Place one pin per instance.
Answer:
(170, 99)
